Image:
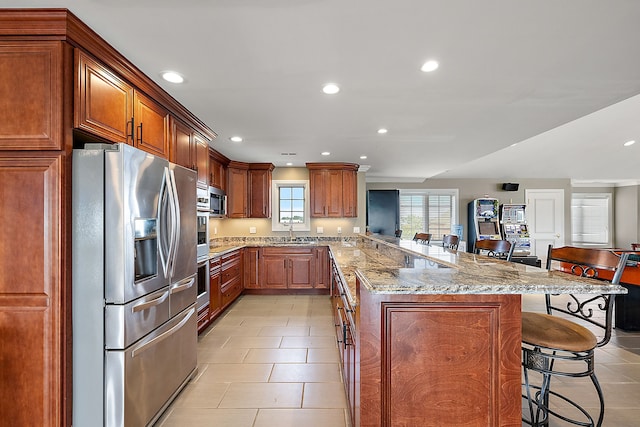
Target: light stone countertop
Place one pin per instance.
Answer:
(389, 265)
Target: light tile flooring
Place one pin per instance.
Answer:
(272, 361)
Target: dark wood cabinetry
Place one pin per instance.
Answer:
(333, 189)
(217, 169)
(237, 190)
(190, 150)
(231, 277)
(215, 296)
(288, 268)
(260, 190)
(109, 107)
(249, 190)
(252, 268)
(323, 276)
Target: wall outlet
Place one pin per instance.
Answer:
(252, 230)
(319, 230)
(215, 230)
(356, 230)
(339, 230)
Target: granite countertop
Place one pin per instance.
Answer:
(389, 265)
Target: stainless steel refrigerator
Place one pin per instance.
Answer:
(134, 284)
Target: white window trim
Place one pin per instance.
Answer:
(447, 191)
(275, 203)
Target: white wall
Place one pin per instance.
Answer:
(626, 208)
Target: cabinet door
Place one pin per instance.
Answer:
(318, 191)
(260, 193)
(104, 102)
(202, 160)
(323, 278)
(217, 173)
(334, 193)
(181, 141)
(151, 126)
(301, 271)
(34, 286)
(350, 193)
(274, 271)
(252, 268)
(237, 196)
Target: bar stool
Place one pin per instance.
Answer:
(424, 238)
(502, 249)
(450, 241)
(549, 338)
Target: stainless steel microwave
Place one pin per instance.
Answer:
(217, 202)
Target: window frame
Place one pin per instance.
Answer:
(425, 193)
(609, 220)
(276, 225)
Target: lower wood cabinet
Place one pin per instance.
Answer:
(288, 268)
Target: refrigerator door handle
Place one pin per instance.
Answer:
(176, 223)
(164, 249)
(145, 346)
(148, 304)
(171, 225)
(182, 286)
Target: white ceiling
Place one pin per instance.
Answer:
(558, 77)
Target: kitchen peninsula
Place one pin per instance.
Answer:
(425, 333)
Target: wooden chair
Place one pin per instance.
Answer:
(502, 249)
(450, 241)
(424, 238)
(635, 246)
(548, 338)
(398, 233)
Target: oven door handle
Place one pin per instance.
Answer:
(151, 303)
(142, 347)
(182, 286)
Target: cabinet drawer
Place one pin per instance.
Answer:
(231, 272)
(231, 291)
(229, 258)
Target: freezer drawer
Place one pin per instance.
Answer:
(182, 294)
(155, 367)
(127, 323)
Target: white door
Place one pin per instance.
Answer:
(545, 217)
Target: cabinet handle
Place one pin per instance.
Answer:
(130, 126)
(140, 134)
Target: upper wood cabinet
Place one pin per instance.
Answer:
(249, 190)
(217, 169)
(108, 107)
(151, 123)
(190, 150)
(333, 194)
(237, 190)
(260, 190)
(31, 95)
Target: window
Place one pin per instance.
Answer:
(291, 206)
(591, 219)
(428, 211)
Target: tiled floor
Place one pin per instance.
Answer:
(272, 361)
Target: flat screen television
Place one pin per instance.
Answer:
(487, 228)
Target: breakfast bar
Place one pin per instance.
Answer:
(430, 336)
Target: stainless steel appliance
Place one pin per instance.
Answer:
(202, 229)
(217, 202)
(203, 283)
(134, 284)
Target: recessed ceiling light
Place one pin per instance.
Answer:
(236, 139)
(429, 66)
(382, 130)
(363, 157)
(628, 143)
(172, 76)
(289, 164)
(325, 153)
(330, 89)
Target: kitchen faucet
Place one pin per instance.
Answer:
(291, 236)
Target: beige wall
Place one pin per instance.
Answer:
(626, 207)
(240, 227)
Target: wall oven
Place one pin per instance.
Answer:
(203, 284)
(203, 234)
